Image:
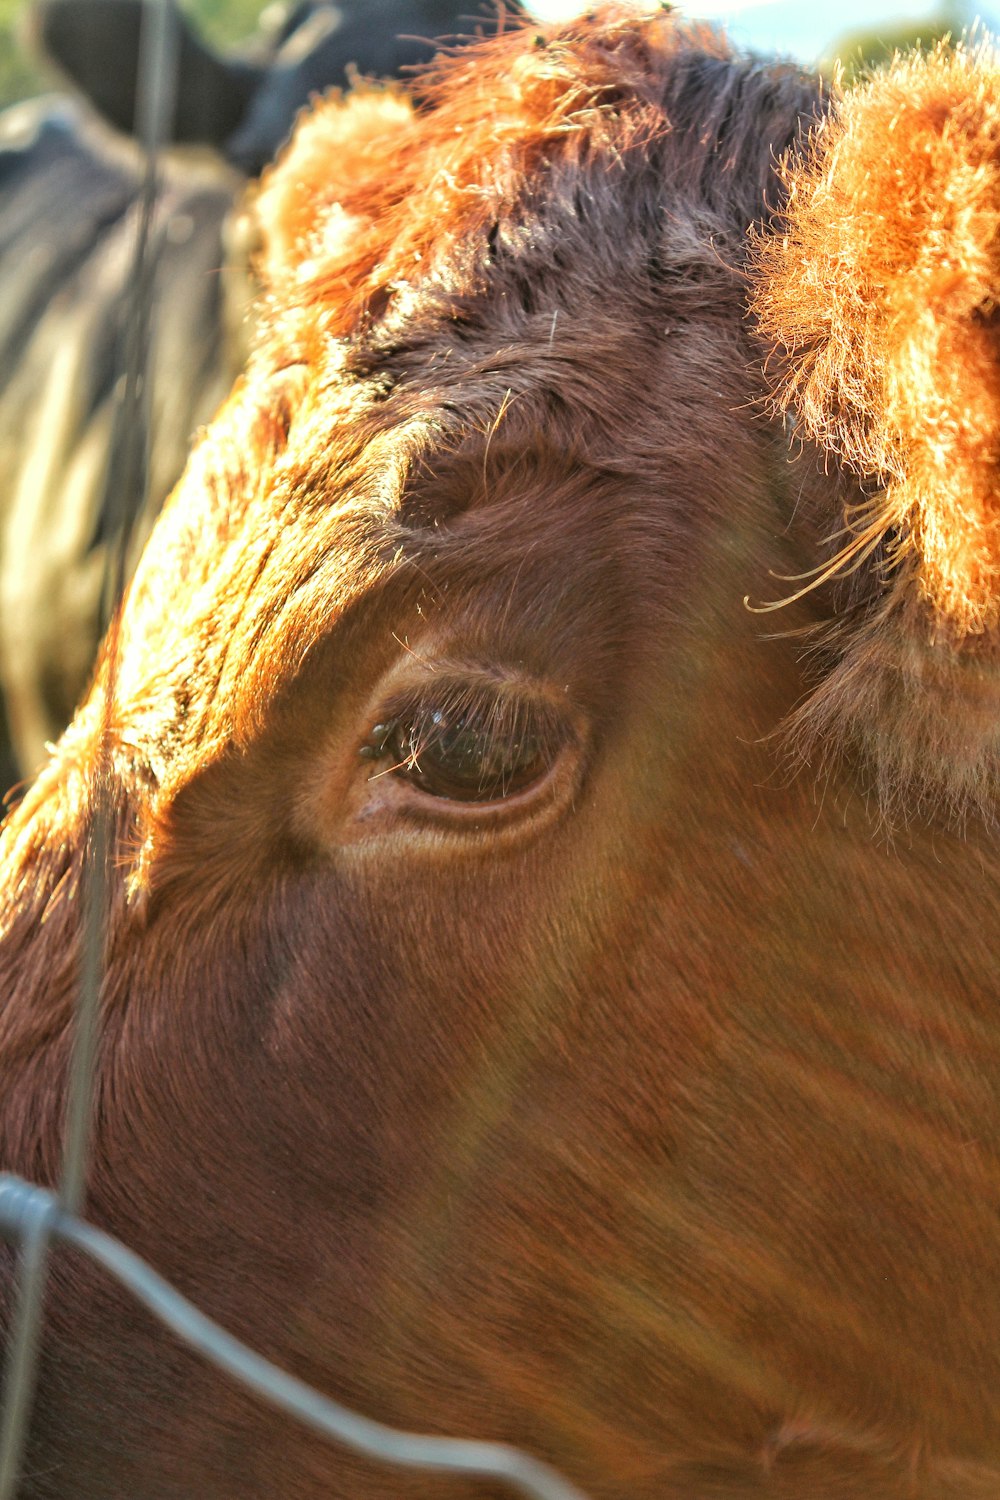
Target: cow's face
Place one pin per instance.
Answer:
(497, 1031)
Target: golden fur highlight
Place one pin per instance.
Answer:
(881, 293)
(877, 297)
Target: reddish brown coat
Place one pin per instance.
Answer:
(647, 1115)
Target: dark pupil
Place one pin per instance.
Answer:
(464, 758)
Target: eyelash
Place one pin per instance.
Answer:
(467, 746)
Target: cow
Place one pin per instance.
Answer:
(550, 744)
(242, 104)
(70, 192)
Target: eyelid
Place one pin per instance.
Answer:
(500, 700)
(416, 772)
(478, 754)
(456, 687)
(353, 802)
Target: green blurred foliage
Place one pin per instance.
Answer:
(860, 51)
(19, 75)
(23, 74)
(227, 20)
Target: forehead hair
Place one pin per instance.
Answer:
(416, 252)
(613, 125)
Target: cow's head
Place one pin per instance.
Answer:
(498, 1029)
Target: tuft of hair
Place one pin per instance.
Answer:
(379, 187)
(879, 297)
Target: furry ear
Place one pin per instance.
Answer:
(879, 294)
(320, 207)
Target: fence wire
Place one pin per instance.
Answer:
(33, 1217)
(23, 1208)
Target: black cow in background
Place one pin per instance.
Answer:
(69, 185)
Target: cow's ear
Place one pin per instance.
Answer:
(879, 296)
(322, 210)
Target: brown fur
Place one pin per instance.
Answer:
(647, 1117)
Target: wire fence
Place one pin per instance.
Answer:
(34, 1218)
(33, 1215)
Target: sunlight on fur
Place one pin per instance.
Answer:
(882, 291)
(880, 295)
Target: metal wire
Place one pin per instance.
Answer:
(22, 1207)
(34, 1217)
(156, 92)
(127, 476)
(19, 1383)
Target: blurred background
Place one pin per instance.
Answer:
(855, 31)
(819, 33)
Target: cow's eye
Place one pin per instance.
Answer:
(467, 751)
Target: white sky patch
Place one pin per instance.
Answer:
(789, 28)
